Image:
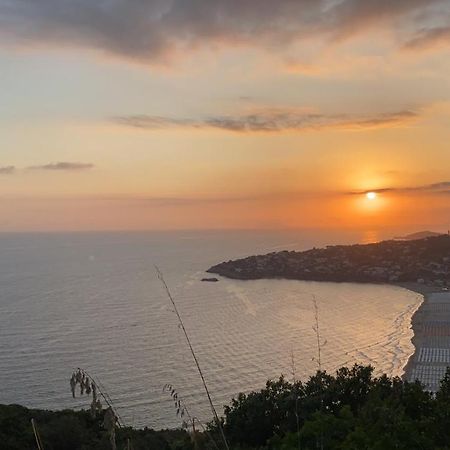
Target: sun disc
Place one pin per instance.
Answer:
(371, 195)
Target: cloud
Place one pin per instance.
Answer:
(153, 30)
(7, 170)
(273, 121)
(442, 187)
(64, 166)
(429, 38)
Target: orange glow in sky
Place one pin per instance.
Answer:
(198, 125)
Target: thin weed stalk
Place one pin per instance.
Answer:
(297, 418)
(316, 329)
(194, 356)
(294, 381)
(182, 410)
(99, 389)
(89, 385)
(293, 369)
(320, 344)
(104, 393)
(37, 437)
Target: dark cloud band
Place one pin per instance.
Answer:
(429, 37)
(7, 170)
(154, 29)
(64, 166)
(272, 121)
(443, 187)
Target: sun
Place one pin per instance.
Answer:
(371, 195)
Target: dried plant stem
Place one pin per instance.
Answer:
(103, 394)
(294, 380)
(297, 418)
(89, 385)
(182, 409)
(102, 391)
(316, 328)
(293, 371)
(37, 437)
(194, 356)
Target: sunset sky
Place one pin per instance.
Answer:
(173, 114)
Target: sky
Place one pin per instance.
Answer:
(200, 114)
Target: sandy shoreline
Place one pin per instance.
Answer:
(431, 336)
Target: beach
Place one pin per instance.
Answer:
(431, 327)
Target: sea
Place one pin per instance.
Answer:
(94, 300)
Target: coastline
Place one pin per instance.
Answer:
(424, 291)
(415, 368)
(430, 324)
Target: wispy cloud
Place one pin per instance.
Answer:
(273, 121)
(154, 30)
(442, 187)
(429, 38)
(7, 170)
(64, 166)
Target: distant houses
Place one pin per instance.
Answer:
(425, 261)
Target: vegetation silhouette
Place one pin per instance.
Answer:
(350, 410)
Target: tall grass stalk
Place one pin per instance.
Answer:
(182, 411)
(90, 385)
(37, 437)
(293, 369)
(96, 387)
(316, 328)
(294, 381)
(194, 356)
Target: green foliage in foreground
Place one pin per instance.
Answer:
(351, 410)
(77, 430)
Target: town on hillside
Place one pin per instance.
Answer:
(425, 261)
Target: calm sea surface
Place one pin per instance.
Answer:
(92, 300)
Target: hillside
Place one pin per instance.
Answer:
(425, 261)
(418, 235)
